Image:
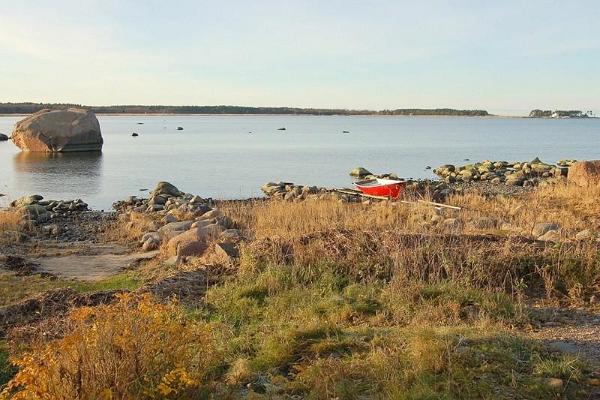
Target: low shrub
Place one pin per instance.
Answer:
(135, 348)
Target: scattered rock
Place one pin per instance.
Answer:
(452, 223)
(231, 235)
(543, 227)
(151, 244)
(483, 223)
(527, 174)
(26, 200)
(74, 129)
(173, 229)
(550, 236)
(584, 235)
(215, 213)
(227, 252)
(187, 244)
(170, 218)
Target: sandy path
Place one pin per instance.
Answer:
(99, 263)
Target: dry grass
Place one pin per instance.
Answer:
(572, 207)
(10, 221)
(411, 242)
(336, 300)
(129, 228)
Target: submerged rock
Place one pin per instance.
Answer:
(74, 129)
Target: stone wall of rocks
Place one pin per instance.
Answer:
(36, 210)
(531, 173)
(165, 197)
(291, 192)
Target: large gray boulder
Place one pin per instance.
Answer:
(74, 129)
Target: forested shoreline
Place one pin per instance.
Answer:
(29, 108)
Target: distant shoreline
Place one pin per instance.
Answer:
(275, 115)
(121, 109)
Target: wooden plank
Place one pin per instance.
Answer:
(359, 193)
(431, 203)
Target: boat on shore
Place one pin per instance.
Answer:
(389, 188)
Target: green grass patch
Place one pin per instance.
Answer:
(323, 336)
(7, 370)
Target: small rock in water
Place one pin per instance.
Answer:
(134, 134)
(359, 172)
(428, 167)
(179, 128)
(167, 189)
(3, 137)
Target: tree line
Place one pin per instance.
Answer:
(29, 108)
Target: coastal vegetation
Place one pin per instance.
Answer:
(559, 114)
(331, 299)
(29, 108)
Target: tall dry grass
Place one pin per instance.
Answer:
(573, 208)
(9, 221)
(411, 241)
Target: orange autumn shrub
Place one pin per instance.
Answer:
(133, 349)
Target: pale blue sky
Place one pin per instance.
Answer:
(503, 56)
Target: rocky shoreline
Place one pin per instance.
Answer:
(186, 223)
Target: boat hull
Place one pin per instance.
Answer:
(382, 188)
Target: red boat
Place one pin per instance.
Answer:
(389, 188)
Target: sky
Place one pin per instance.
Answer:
(507, 57)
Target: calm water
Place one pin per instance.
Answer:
(217, 156)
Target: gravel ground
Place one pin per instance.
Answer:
(569, 330)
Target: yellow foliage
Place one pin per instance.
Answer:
(135, 348)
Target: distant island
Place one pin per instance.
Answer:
(560, 114)
(29, 108)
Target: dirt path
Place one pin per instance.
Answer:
(571, 331)
(91, 267)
